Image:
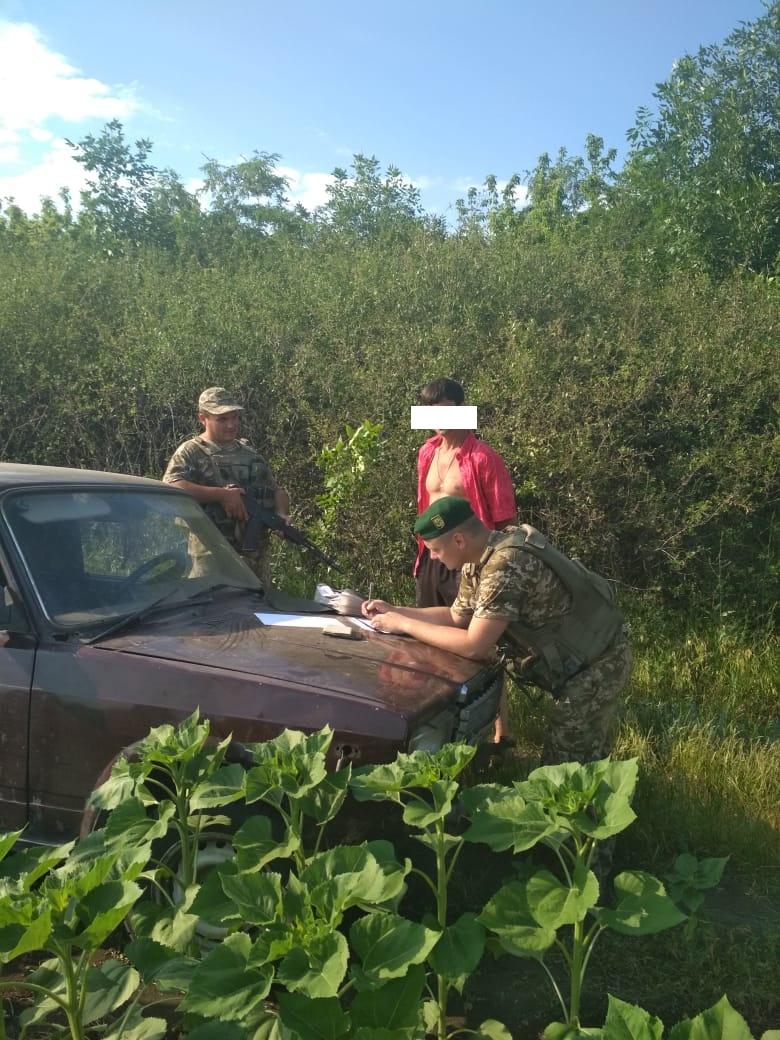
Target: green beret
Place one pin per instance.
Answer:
(444, 515)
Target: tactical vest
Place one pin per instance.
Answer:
(564, 645)
(246, 469)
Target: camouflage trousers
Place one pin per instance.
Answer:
(582, 726)
(260, 563)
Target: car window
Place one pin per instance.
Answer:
(99, 554)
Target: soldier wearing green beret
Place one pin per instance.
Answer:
(217, 468)
(554, 622)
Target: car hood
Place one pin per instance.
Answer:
(392, 671)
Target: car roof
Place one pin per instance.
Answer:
(16, 474)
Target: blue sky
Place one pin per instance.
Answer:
(448, 91)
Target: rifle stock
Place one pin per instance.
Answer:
(260, 517)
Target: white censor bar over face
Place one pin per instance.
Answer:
(444, 417)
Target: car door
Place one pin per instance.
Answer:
(18, 645)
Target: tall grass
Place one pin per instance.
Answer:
(702, 714)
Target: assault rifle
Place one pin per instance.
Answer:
(260, 517)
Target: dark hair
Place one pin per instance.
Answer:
(439, 390)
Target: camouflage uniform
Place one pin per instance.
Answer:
(201, 462)
(511, 584)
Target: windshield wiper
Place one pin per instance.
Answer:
(222, 586)
(137, 615)
(197, 597)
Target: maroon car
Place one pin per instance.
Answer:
(122, 607)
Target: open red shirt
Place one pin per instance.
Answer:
(486, 482)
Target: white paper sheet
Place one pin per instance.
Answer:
(296, 620)
(361, 623)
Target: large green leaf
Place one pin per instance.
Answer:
(319, 969)
(421, 813)
(642, 906)
(291, 764)
(452, 759)
(345, 876)
(224, 986)
(564, 1031)
(24, 937)
(388, 945)
(218, 1031)
(29, 865)
(492, 1029)
(473, 799)
(377, 783)
(256, 845)
(7, 841)
(211, 904)
(554, 904)
(269, 1027)
(49, 976)
(258, 897)
(161, 965)
(690, 878)
(629, 1022)
(136, 1027)
(120, 785)
(108, 987)
(169, 926)
(380, 1033)
(225, 786)
(459, 950)
(396, 1005)
(130, 823)
(720, 1022)
(508, 821)
(102, 910)
(313, 1019)
(323, 802)
(395, 873)
(509, 917)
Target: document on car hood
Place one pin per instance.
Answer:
(294, 620)
(313, 621)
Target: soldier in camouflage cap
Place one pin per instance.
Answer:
(554, 621)
(217, 468)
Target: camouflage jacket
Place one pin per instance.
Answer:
(214, 465)
(561, 617)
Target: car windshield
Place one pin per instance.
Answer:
(96, 555)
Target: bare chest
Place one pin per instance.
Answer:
(444, 476)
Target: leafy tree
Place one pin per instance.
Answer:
(367, 203)
(571, 185)
(250, 194)
(121, 185)
(705, 170)
(129, 200)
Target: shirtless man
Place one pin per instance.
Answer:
(456, 462)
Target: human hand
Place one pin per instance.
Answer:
(389, 622)
(282, 504)
(232, 501)
(371, 607)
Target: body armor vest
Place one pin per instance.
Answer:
(569, 642)
(246, 468)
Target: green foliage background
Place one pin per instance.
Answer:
(624, 361)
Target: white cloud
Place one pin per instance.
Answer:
(308, 189)
(57, 169)
(37, 84)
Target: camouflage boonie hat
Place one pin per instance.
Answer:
(217, 400)
(444, 515)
